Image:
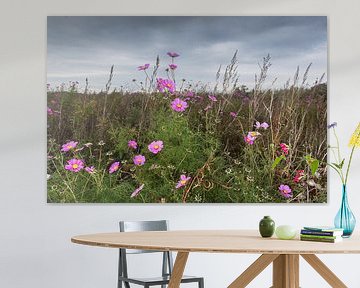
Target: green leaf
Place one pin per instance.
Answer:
(314, 165)
(277, 161)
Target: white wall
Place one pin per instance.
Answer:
(35, 248)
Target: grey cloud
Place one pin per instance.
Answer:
(78, 46)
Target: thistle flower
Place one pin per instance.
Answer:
(355, 138)
(139, 160)
(74, 165)
(183, 181)
(179, 105)
(137, 191)
(332, 125)
(68, 146)
(132, 144)
(114, 167)
(173, 66)
(143, 67)
(156, 146)
(285, 191)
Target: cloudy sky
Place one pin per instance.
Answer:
(86, 47)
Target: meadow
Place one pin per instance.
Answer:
(172, 142)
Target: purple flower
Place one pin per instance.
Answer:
(284, 148)
(68, 146)
(90, 169)
(183, 181)
(233, 114)
(332, 125)
(264, 125)
(173, 66)
(257, 125)
(114, 167)
(137, 191)
(139, 160)
(50, 111)
(165, 85)
(143, 67)
(173, 54)
(249, 139)
(189, 94)
(74, 165)
(179, 105)
(156, 146)
(285, 191)
(212, 98)
(132, 144)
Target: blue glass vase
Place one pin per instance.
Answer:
(345, 219)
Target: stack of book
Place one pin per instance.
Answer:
(321, 234)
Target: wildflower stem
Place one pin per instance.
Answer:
(348, 166)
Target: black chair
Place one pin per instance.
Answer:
(167, 265)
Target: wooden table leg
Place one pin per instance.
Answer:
(253, 270)
(178, 270)
(286, 271)
(324, 271)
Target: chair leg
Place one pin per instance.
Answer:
(201, 283)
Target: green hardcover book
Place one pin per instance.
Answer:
(324, 229)
(325, 240)
(319, 236)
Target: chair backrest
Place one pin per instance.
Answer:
(134, 226)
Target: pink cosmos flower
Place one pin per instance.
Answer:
(74, 165)
(263, 125)
(143, 67)
(132, 144)
(114, 167)
(300, 174)
(173, 66)
(233, 114)
(156, 146)
(212, 98)
(68, 146)
(139, 160)
(90, 169)
(284, 148)
(183, 181)
(173, 54)
(165, 85)
(285, 191)
(178, 105)
(249, 139)
(137, 191)
(50, 111)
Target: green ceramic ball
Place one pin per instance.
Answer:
(285, 232)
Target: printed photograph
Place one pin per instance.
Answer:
(200, 109)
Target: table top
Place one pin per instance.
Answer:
(217, 241)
